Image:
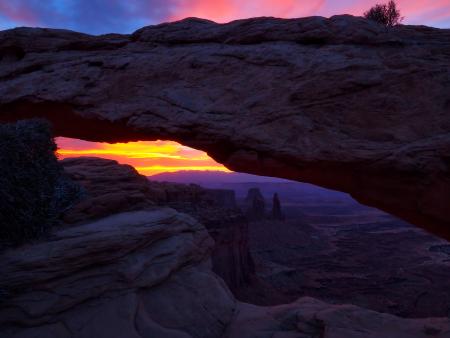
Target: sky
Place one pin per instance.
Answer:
(125, 16)
(149, 158)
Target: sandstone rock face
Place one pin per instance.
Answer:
(341, 102)
(255, 205)
(216, 209)
(277, 214)
(111, 188)
(139, 274)
(147, 274)
(310, 318)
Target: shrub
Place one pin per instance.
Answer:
(386, 14)
(34, 190)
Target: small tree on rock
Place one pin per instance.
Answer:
(34, 189)
(385, 14)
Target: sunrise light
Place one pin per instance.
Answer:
(148, 157)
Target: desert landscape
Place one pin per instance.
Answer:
(226, 169)
(330, 247)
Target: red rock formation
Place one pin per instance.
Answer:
(277, 214)
(110, 188)
(255, 205)
(121, 276)
(147, 274)
(342, 102)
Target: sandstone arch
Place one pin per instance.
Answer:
(339, 102)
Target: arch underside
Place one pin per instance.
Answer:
(339, 102)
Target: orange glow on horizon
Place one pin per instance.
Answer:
(148, 157)
(153, 170)
(414, 11)
(226, 10)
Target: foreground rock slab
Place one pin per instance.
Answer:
(311, 318)
(107, 188)
(140, 274)
(147, 274)
(341, 102)
(110, 187)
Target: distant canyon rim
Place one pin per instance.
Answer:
(343, 102)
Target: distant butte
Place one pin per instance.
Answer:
(343, 102)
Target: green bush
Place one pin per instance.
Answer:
(386, 14)
(34, 190)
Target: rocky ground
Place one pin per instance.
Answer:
(111, 188)
(356, 255)
(328, 247)
(341, 102)
(158, 272)
(147, 274)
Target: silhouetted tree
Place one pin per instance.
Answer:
(34, 190)
(385, 14)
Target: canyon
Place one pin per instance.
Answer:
(111, 188)
(148, 274)
(123, 263)
(343, 103)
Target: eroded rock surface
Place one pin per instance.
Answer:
(255, 205)
(277, 214)
(341, 102)
(139, 274)
(310, 318)
(147, 274)
(110, 187)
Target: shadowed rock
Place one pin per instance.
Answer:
(121, 276)
(341, 102)
(147, 274)
(255, 205)
(111, 188)
(276, 208)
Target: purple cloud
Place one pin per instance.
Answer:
(125, 16)
(90, 16)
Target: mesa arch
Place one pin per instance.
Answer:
(343, 103)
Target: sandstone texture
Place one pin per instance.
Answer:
(140, 274)
(277, 214)
(255, 205)
(147, 274)
(341, 102)
(373, 261)
(110, 187)
(310, 318)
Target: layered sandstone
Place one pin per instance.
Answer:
(110, 187)
(255, 205)
(341, 102)
(137, 274)
(147, 274)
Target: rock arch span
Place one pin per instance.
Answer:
(342, 102)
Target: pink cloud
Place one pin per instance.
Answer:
(18, 12)
(103, 16)
(415, 11)
(227, 10)
(75, 144)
